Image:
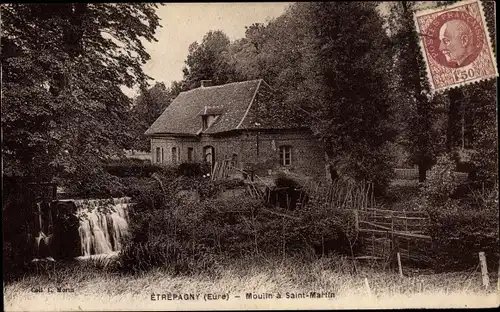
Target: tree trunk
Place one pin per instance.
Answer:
(422, 172)
(454, 127)
(421, 122)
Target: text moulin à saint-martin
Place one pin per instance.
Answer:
(249, 296)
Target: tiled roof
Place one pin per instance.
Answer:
(231, 100)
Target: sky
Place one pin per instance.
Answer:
(185, 23)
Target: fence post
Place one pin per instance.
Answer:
(368, 288)
(283, 238)
(498, 277)
(406, 229)
(356, 220)
(484, 269)
(392, 240)
(400, 267)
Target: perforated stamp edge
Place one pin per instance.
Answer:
(426, 11)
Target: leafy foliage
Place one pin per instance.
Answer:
(209, 60)
(411, 87)
(137, 169)
(62, 66)
(460, 233)
(441, 183)
(462, 223)
(345, 87)
(188, 236)
(190, 169)
(148, 106)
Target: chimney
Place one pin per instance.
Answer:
(206, 83)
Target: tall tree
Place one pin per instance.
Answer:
(245, 54)
(62, 65)
(412, 81)
(345, 66)
(274, 51)
(473, 121)
(149, 105)
(209, 60)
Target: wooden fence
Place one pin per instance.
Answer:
(387, 232)
(383, 233)
(342, 194)
(406, 174)
(412, 174)
(222, 170)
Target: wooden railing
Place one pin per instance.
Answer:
(411, 174)
(387, 232)
(406, 174)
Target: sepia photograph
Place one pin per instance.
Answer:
(249, 155)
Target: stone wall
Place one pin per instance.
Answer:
(259, 150)
(181, 145)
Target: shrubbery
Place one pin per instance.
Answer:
(189, 236)
(132, 177)
(463, 219)
(459, 234)
(191, 169)
(230, 184)
(132, 168)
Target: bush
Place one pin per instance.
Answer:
(96, 183)
(459, 234)
(284, 181)
(230, 184)
(441, 183)
(188, 237)
(132, 169)
(462, 223)
(191, 169)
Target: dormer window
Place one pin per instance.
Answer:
(208, 120)
(204, 119)
(209, 115)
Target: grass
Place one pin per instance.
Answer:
(98, 287)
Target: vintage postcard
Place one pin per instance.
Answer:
(456, 45)
(215, 156)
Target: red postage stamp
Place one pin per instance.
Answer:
(456, 45)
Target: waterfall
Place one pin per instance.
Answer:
(40, 219)
(43, 231)
(102, 232)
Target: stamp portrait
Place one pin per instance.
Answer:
(456, 45)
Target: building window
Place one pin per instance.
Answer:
(209, 154)
(158, 159)
(190, 153)
(207, 120)
(174, 155)
(285, 155)
(162, 158)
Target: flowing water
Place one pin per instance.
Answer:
(102, 225)
(102, 232)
